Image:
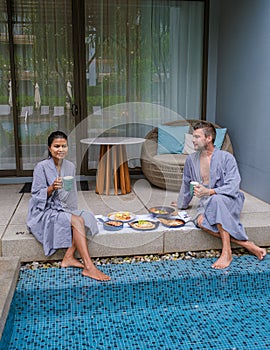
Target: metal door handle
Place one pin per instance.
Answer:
(74, 110)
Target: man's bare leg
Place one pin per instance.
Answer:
(69, 259)
(250, 246)
(225, 258)
(80, 241)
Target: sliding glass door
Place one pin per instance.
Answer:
(144, 65)
(94, 68)
(7, 135)
(36, 78)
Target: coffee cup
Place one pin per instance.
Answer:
(68, 183)
(192, 184)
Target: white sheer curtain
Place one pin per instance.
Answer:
(42, 36)
(7, 149)
(186, 59)
(148, 58)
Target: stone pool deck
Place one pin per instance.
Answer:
(17, 245)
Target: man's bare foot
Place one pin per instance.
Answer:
(254, 249)
(72, 262)
(223, 262)
(95, 273)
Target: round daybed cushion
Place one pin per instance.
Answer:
(166, 170)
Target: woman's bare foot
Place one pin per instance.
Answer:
(71, 262)
(223, 262)
(95, 273)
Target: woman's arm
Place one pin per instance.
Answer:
(56, 185)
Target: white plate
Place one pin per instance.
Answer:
(114, 216)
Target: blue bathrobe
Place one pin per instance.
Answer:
(49, 219)
(226, 205)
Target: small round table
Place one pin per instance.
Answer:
(113, 155)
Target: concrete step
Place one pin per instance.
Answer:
(9, 272)
(16, 241)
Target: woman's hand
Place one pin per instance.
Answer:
(56, 185)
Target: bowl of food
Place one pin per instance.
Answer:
(113, 225)
(161, 211)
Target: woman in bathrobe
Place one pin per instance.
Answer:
(220, 201)
(53, 215)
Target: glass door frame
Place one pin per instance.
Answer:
(79, 78)
(79, 91)
(80, 84)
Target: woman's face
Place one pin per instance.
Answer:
(59, 149)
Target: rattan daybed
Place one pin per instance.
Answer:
(166, 170)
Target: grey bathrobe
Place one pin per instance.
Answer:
(49, 219)
(226, 205)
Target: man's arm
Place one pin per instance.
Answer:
(184, 197)
(231, 176)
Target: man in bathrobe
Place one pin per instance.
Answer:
(220, 200)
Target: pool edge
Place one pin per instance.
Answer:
(9, 273)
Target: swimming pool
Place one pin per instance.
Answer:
(158, 305)
(32, 128)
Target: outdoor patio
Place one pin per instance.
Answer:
(17, 245)
(16, 241)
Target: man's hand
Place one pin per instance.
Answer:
(201, 191)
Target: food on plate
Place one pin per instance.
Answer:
(172, 222)
(121, 215)
(159, 211)
(143, 224)
(114, 223)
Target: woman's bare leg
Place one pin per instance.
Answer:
(80, 243)
(69, 259)
(250, 246)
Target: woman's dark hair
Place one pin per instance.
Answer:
(208, 129)
(55, 135)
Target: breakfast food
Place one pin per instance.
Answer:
(114, 223)
(159, 211)
(122, 216)
(172, 222)
(143, 225)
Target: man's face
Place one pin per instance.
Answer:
(200, 142)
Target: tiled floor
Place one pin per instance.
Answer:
(158, 305)
(15, 241)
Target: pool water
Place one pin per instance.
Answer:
(158, 305)
(32, 129)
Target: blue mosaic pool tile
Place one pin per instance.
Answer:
(157, 305)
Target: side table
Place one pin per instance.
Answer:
(113, 162)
